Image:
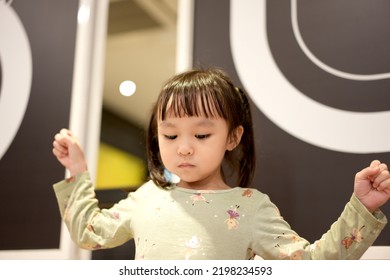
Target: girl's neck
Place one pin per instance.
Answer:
(204, 185)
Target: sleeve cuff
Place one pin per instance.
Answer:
(376, 220)
(70, 182)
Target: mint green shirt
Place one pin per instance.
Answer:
(178, 223)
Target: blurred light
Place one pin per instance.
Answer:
(83, 14)
(127, 88)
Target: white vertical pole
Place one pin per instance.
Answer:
(185, 35)
(86, 104)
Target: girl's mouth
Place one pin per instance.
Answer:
(185, 165)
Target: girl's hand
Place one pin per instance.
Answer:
(372, 185)
(69, 153)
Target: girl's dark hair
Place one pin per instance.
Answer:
(218, 98)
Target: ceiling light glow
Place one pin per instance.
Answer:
(127, 88)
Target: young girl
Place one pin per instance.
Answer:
(200, 122)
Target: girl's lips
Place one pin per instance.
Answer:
(186, 164)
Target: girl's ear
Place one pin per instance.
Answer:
(235, 138)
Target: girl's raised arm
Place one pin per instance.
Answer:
(69, 152)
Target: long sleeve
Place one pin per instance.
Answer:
(89, 226)
(348, 238)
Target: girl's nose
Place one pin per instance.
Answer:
(185, 149)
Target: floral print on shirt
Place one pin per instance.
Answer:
(247, 192)
(198, 197)
(232, 221)
(355, 236)
(191, 247)
(289, 252)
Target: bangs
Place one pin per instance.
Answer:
(191, 102)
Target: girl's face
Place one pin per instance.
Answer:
(193, 148)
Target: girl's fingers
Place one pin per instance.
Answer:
(61, 143)
(382, 181)
(58, 153)
(65, 138)
(65, 132)
(60, 148)
(375, 163)
(381, 167)
(367, 173)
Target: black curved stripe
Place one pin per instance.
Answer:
(362, 96)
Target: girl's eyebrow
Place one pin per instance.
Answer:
(167, 124)
(201, 123)
(206, 122)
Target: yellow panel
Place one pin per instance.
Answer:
(117, 168)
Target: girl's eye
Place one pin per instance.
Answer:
(202, 136)
(170, 137)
